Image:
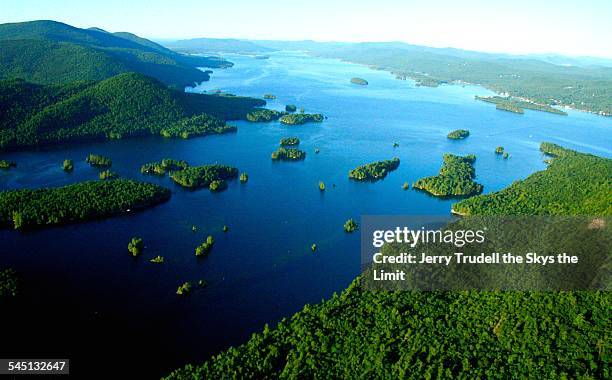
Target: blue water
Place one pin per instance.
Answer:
(263, 269)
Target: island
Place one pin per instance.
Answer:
(135, 246)
(98, 161)
(157, 260)
(374, 171)
(290, 141)
(359, 81)
(198, 125)
(68, 165)
(164, 166)
(194, 177)
(264, 115)
(204, 248)
(217, 185)
(458, 134)
(290, 108)
(350, 226)
(24, 209)
(107, 174)
(301, 118)
(269, 96)
(456, 178)
(517, 105)
(184, 289)
(321, 186)
(6, 164)
(288, 154)
(244, 177)
(499, 150)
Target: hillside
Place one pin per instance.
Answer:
(466, 334)
(218, 45)
(49, 52)
(128, 104)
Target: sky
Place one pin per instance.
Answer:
(569, 27)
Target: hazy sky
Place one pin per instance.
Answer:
(572, 27)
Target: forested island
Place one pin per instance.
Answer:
(198, 125)
(458, 134)
(98, 161)
(107, 174)
(194, 177)
(456, 178)
(290, 141)
(288, 154)
(164, 166)
(465, 334)
(6, 164)
(269, 96)
(290, 108)
(374, 171)
(68, 165)
(573, 184)
(359, 81)
(264, 115)
(518, 105)
(24, 209)
(301, 118)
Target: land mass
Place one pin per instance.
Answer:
(456, 178)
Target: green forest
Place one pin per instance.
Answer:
(194, 177)
(301, 118)
(458, 134)
(288, 154)
(456, 178)
(374, 171)
(460, 334)
(25, 209)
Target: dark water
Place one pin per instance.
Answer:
(88, 300)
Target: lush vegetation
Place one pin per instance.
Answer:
(197, 125)
(244, 177)
(350, 226)
(375, 170)
(6, 164)
(24, 209)
(301, 118)
(499, 150)
(458, 134)
(290, 141)
(518, 105)
(98, 161)
(460, 334)
(264, 115)
(573, 184)
(290, 108)
(68, 165)
(194, 177)
(135, 246)
(218, 185)
(204, 248)
(122, 106)
(582, 87)
(359, 81)
(184, 289)
(157, 260)
(164, 166)
(321, 186)
(50, 52)
(456, 178)
(107, 174)
(288, 154)
(8, 283)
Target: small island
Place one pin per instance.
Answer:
(290, 141)
(157, 260)
(244, 177)
(456, 178)
(269, 96)
(458, 134)
(194, 177)
(6, 164)
(321, 186)
(217, 185)
(290, 108)
(198, 125)
(204, 248)
(135, 246)
(301, 118)
(98, 161)
(359, 81)
(68, 165)
(499, 150)
(164, 166)
(107, 174)
(184, 289)
(350, 226)
(264, 115)
(374, 171)
(23, 209)
(288, 154)
(518, 105)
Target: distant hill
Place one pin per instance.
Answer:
(50, 52)
(128, 104)
(218, 45)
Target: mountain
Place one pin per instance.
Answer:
(218, 45)
(50, 52)
(128, 104)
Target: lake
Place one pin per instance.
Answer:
(87, 299)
